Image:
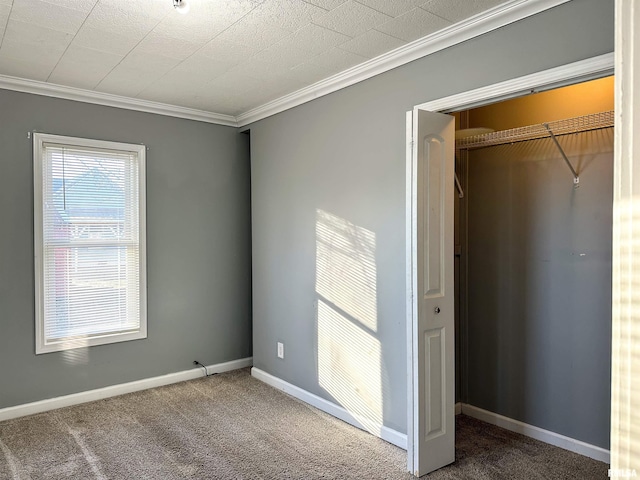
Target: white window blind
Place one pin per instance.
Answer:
(90, 266)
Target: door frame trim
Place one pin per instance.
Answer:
(569, 74)
(625, 425)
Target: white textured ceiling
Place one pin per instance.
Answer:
(224, 56)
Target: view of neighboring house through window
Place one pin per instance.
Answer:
(89, 242)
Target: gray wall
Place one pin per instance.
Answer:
(539, 324)
(345, 154)
(198, 231)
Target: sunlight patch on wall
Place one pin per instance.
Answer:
(349, 354)
(78, 353)
(349, 366)
(346, 267)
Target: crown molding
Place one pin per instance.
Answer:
(89, 96)
(485, 22)
(472, 27)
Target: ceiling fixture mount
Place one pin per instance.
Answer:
(181, 6)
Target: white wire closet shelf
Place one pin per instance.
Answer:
(584, 123)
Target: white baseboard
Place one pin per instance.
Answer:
(392, 436)
(458, 408)
(120, 389)
(546, 436)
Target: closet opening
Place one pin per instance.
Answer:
(533, 244)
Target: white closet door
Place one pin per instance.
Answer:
(432, 362)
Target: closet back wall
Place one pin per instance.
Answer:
(539, 322)
(198, 248)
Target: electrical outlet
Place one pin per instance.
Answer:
(280, 350)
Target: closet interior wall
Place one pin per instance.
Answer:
(534, 271)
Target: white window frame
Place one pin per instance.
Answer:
(39, 139)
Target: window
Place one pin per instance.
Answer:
(89, 223)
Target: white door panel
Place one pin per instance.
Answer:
(431, 365)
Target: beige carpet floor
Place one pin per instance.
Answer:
(231, 426)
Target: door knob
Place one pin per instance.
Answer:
(437, 310)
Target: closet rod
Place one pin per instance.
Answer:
(584, 123)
